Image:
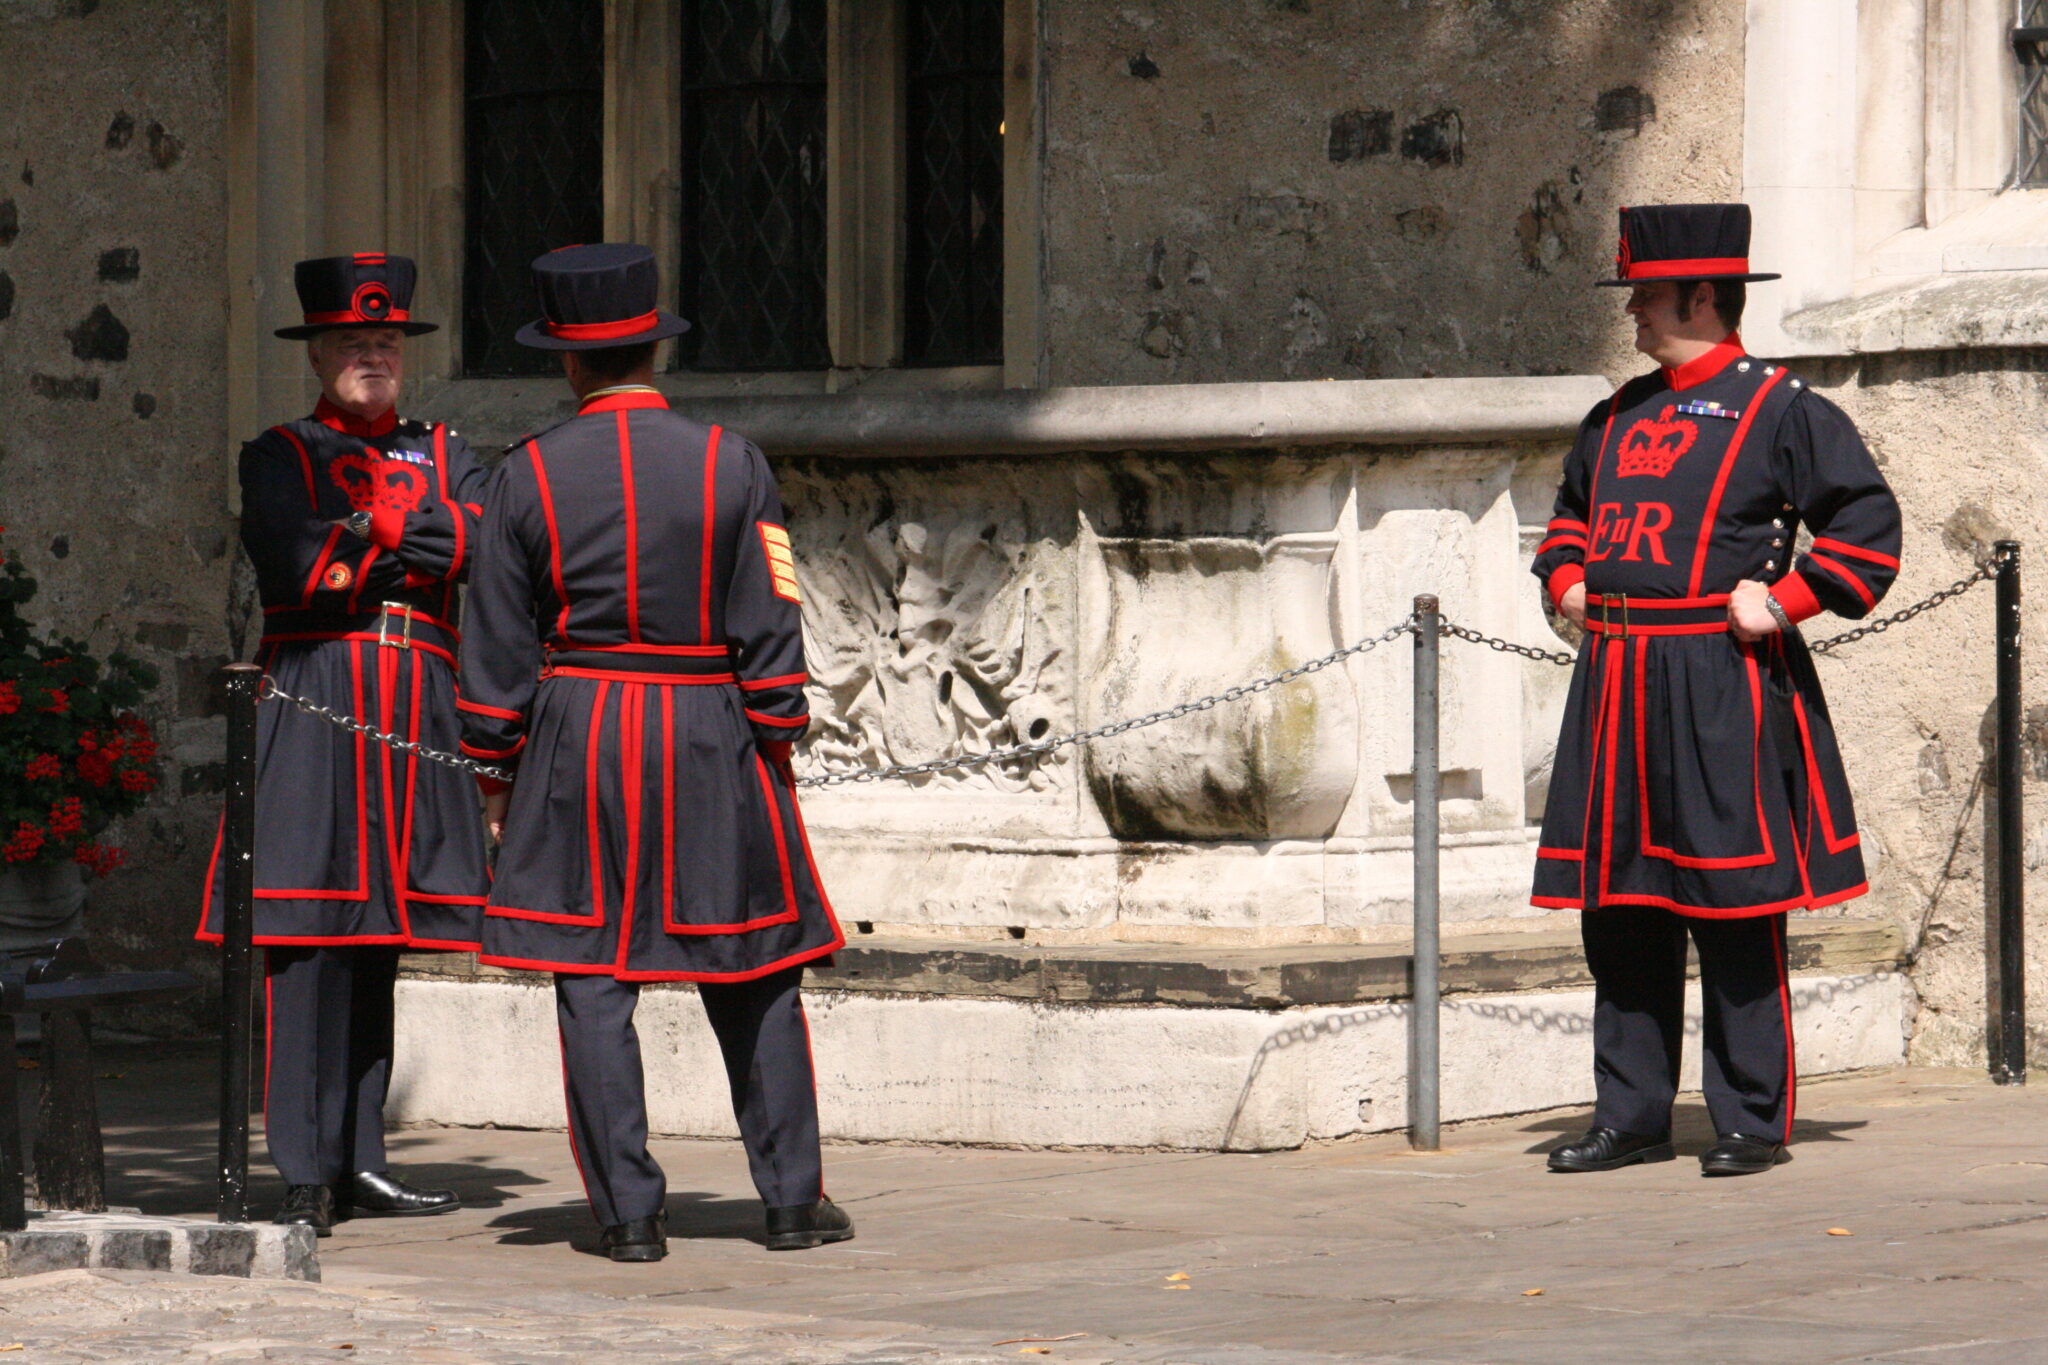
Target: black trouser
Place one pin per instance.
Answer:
(1637, 955)
(767, 1047)
(329, 1060)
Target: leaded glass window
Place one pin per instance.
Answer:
(534, 153)
(953, 286)
(752, 276)
(2030, 42)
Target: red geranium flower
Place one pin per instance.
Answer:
(10, 700)
(97, 859)
(43, 767)
(19, 849)
(60, 701)
(97, 767)
(136, 780)
(67, 817)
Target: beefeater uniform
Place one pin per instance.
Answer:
(1698, 785)
(360, 851)
(635, 649)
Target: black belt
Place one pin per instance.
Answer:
(717, 665)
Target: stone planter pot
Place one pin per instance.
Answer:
(39, 902)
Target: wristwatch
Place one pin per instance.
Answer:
(1777, 611)
(358, 524)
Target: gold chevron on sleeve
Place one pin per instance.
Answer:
(781, 563)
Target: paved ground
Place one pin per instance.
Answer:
(1360, 1252)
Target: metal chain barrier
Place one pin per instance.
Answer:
(1228, 694)
(1986, 569)
(1562, 658)
(269, 688)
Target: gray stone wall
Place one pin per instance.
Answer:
(1963, 437)
(114, 456)
(1357, 189)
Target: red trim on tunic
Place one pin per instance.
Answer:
(454, 508)
(1569, 855)
(1840, 571)
(1756, 711)
(683, 651)
(779, 680)
(1593, 480)
(761, 719)
(547, 509)
(1704, 366)
(1699, 554)
(477, 707)
(305, 464)
(328, 415)
(710, 535)
(1567, 524)
(632, 529)
(1818, 794)
(632, 745)
(617, 402)
(319, 570)
(600, 969)
(1853, 551)
(627, 676)
(1563, 579)
(1795, 595)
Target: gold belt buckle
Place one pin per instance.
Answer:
(1607, 626)
(384, 636)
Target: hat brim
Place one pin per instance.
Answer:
(313, 329)
(1735, 279)
(666, 325)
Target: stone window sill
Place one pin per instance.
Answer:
(1979, 280)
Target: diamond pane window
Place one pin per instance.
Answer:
(534, 153)
(752, 273)
(953, 304)
(2030, 42)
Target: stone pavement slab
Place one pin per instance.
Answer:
(1354, 1252)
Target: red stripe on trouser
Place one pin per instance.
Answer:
(1785, 1005)
(569, 1110)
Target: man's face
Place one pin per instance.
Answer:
(1653, 307)
(360, 368)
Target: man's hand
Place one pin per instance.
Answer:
(1748, 617)
(1574, 604)
(495, 806)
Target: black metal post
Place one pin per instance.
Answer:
(2009, 1059)
(243, 683)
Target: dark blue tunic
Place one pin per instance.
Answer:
(1694, 772)
(635, 651)
(356, 843)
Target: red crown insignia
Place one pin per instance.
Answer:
(1653, 447)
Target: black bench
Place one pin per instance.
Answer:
(60, 982)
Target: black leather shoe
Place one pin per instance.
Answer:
(640, 1239)
(381, 1194)
(799, 1227)
(308, 1206)
(1736, 1154)
(1610, 1149)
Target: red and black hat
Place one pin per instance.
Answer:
(1684, 242)
(592, 297)
(368, 289)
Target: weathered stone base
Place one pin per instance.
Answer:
(183, 1246)
(1041, 1058)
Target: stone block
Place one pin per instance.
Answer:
(222, 1249)
(1010, 1070)
(126, 1240)
(34, 1250)
(133, 1249)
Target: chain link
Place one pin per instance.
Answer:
(1014, 751)
(269, 688)
(1039, 748)
(1565, 658)
(1987, 569)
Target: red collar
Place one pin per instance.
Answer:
(328, 415)
(615, 402)
(1701, 368)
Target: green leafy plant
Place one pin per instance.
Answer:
(74, 755)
